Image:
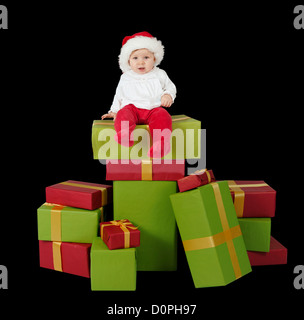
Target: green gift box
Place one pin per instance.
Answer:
(147, 205)
(68, 224)
(112, 269)
(256, 233)
(211, 235)
(185, 142)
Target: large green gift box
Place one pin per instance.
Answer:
(147, 205)
(211, 235)
(68, 224)
(186, 140)
(112, 269)
(256, 233)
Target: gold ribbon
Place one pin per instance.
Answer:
(201, 172)
(104, 192)
(239, 195)
(197, 172)
(180, 119)
(212, 241)
(233, 185)
(146, 170)
(208, 176)
(123, 225)
(56, 222)
(226, 236)
(225, 225)
(239, 198)
(57, 260)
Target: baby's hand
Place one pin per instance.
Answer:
(166, 100)
(109, 115)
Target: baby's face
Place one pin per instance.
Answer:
(142, 61)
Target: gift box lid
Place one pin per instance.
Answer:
(85, 195)
(256, 186)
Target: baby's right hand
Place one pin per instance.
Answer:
(109, 115)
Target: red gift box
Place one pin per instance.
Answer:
(79, 194)
(73, 258)
(197, 179)
(119, 234)
(161, 170)
(253, 198)
(276, 255)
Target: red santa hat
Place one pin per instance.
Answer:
(141, 40)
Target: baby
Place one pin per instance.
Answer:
(141, 93)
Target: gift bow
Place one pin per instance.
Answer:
(123, 225)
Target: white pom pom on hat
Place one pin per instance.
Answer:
(140, 40)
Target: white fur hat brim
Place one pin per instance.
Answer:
(140, 42)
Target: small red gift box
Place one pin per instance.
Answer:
(253, 198)
(197, 179)
(119, 234)
(73, 258)
(276, 255)
(161, 170)
(79, 194)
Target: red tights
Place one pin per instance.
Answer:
(157, 118)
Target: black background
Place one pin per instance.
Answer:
(238, 68)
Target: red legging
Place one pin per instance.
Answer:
(157, 118)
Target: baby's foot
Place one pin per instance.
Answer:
(159, 149)
(123, 138)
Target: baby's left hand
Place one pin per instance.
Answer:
(166, 100)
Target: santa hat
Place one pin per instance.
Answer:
(141, 40)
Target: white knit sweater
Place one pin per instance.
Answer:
(142, 90)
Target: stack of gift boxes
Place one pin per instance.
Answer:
(68, 223)
(255, 206)
(224, 225)
(250, 206)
